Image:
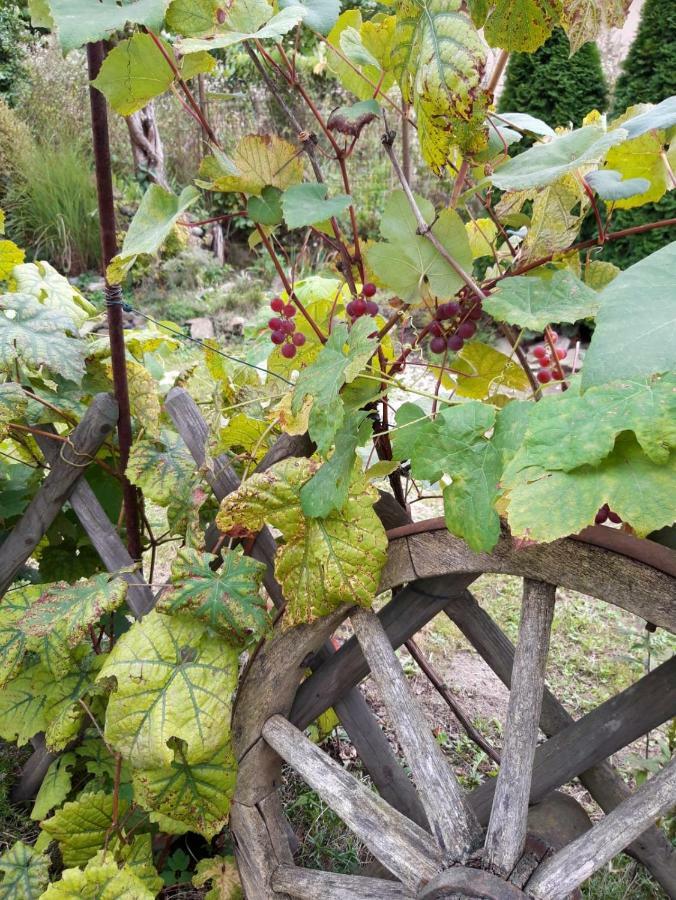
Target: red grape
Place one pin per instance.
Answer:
(369, 289)
(372, 308)
(561, 353)
(358, 307)
(539, 352)
(438, 345)
(277, 337)
(544, 376)
(553, 336)
(287, 326)
(275, 324)
(288, 351)
(475, 312)
(544, 362)
(557, 375)
(289, 310)
(349, 309)
(455, 342)
(436, 330)
(466, 330)
(277, 304)
(298, 339)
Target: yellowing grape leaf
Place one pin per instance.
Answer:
(194, 18)
(439, 60)
(10, 256)
(227, 599)
(583, 20)
(175, 682)
(184, 797)
(101, 879)
(486, 370)
(359, 63)
(532, 302)
(144, 396)
(80, 826)
(407, 262)
(35, 336)
(53, 290)
(545, 506)
(55, 787)
(558, 211)
(481, 234)
(522, 25)
(599, 274)
(80, 22)
(221, 871)
(323, 562)
(643, 157)
(259, 161)
(25, 873)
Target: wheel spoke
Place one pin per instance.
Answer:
(451, 820)
(563, 872)
(506, 834)
(403, 847)
(310, 884)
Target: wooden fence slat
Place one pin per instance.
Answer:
(97, 423)
(312, 884)
(506, 835)
(603, 782)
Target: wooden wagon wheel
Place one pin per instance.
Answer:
(436, 840)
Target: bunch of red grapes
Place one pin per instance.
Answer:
(454, 323)
(549, 360)
(283, 328)
(364, 305)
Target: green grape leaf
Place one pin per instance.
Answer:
(80, 22)
(184, 797)
(439, 60)
(36, 336)
(25, 873)
(532, 302)
(227, 599)
(53, 290)
(101, 879)
(69, 610)
(10, 256)
(521, 25)
(485, 370)
(133, 73)
(583, 20)
(557, 215)
(642, 158)
(545, 506)
(80, 826)
(407, 262)
(545, 163)
(307, 204)
(339, 362)
(627, 343)
(174, 683)
(611, 185)
(161, 469)
(138, 858)
(319, 15)
(266, 209)
(13, 639)
(323, 562)
(372, 45)
(221, 871)
(650, 118)
(242, 27)
(259, 160)
(55, 787)
(328, 489)
(412, 422)
(244, 434)
(194, 18)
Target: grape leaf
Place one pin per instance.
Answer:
(650, 118)
(373, 48)
(485, 370)
(481, 234)
(174, 683)
(53, 290)
(260, 160)
(266, 209)
(80, 826)
(439, 60)
(138, 858)
(532, 302)
(611, 185)
(323, 562)
(307, 204)
(525, 122)
(69, 610)
(182, 797)
(545, 506)
(162, 469)
(101, 879)
(599, 274)
(194, 18)
(228, 599)
(25, 873)
(643, 158)
(221, 871)
(319, 15)
(133, 73)
(521, 25)
(558, 211)
(55, 787)
(407, 262)
(627, 343)
(241, 27)
(36, 336)
(10, 256)
(583, 20)
(81, 22)
(339, 362)
(354, 118)
(545, 163)
(13, 639)
(144, 396)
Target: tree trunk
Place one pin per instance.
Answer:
(146, 145)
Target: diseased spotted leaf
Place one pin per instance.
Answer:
(162, 469)
(556, 217)
(221, 871)
(226, 599)
(521, 25)
(625, 345)
(175, 682)
(439, 60)
(533, 302)
(259, 161)
(583, 20)
(598, 274)
(244, 24)
(339, 362)
(80, 826)
(13, 639)
(184, 797)
(307, 204)
(32, 335)
(485, 370)
(25, 873)
(79, 22)
(353, 119)
(55, 787)
(322, 562)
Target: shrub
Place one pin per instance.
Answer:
(14, 36)
(16, 143)
(553, 85)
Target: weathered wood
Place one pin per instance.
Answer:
(608, 576)
(279, 828)
(602, 781)
(33, 771)
(506, 835)
(97, 423)
(407, 612)
(557, 876)
(462, 882)
(100, 531)
(451, 820)
(645, 705)
(408, 852)
(254, 852)
(311, 884)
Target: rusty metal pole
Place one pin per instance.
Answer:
(96, 53)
